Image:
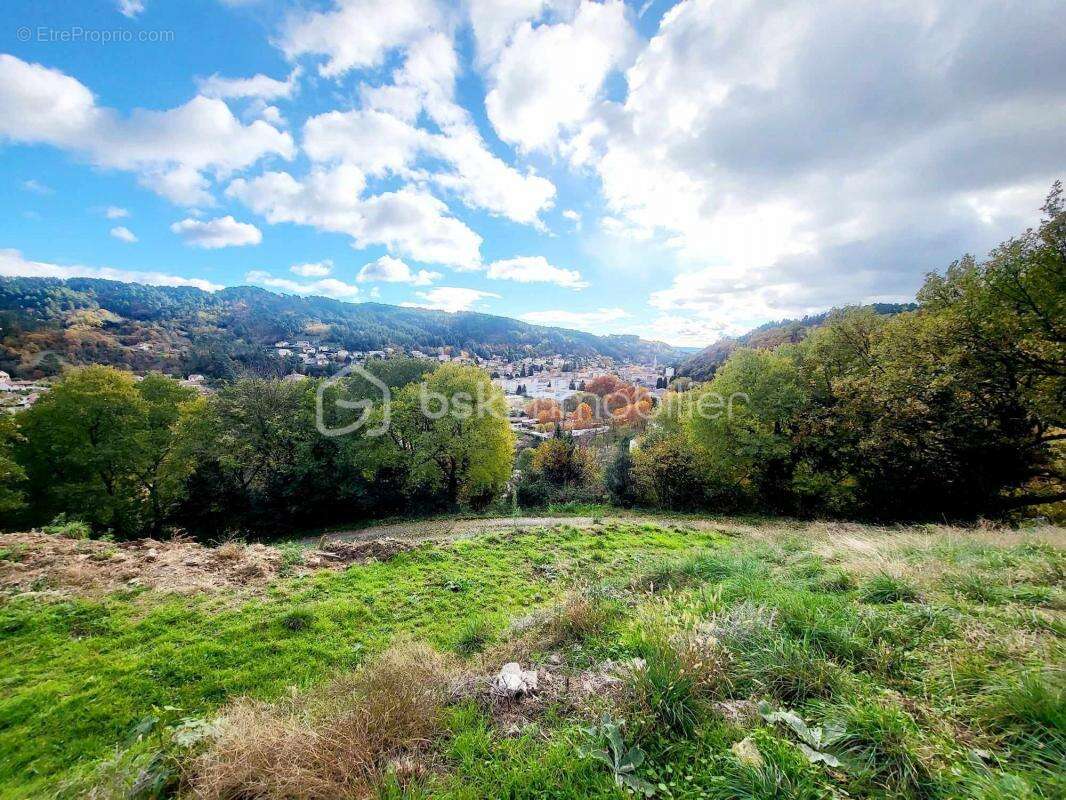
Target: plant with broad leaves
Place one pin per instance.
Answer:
(622, 762)
(812, 741)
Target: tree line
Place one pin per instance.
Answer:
(143, 457)
(955, 409)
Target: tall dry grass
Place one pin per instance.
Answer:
(333, 742)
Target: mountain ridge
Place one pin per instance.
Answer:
(184, 328)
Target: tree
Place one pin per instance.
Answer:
(12, 475)
(98, 447)
(618, 477)
(545, 411)
(746, 431)
(453, 435)
(603, 386)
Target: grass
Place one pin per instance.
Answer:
(938, 650)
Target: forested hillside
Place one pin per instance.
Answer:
(703, 365)
(45, 322)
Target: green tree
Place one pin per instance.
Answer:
(452, 435)
(744, 422)
(12, 475)
(618, 476)
(97, 446)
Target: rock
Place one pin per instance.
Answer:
(152, 554)
(747, 753)
(513, 681)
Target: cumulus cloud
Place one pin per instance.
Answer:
(259, 86)
(115, 212)
(392, 270)
(215, 233)
(169, 150)
(327, 287)
(450, 298)
(409, 221)
(13, 265)
(313, 269)
(123, 234)
(788, 157)
(383, 138)
(358, 33)
(535, 269)
(544, 82)
(595, 321)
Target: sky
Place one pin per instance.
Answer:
(680, 171)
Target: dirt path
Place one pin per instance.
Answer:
(433, 529)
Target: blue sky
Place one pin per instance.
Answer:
(679, 171)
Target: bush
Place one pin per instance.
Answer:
(68, 528)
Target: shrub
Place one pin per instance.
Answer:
(68, 528)
(334, 741)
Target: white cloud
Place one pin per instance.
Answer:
(130, 8)
(124, 234)
(383, 138)
(169, 150)
(495, 21)
(216, 233)
(260, 86)
(313, 269)
(327, 287)
(358, 33)
(573, 216)
(450, 298)
(544, 83)
(374, 141)
(409, 221)
(392, 270)
(535, 269)
(37, 187)
(115, 212)
(13, 265)
(595, 321)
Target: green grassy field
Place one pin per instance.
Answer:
(936, 655)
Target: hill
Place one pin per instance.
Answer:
(702, 365)
(45, 322)
(915, 663)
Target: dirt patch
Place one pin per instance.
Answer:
(339, 551)
(43, 563)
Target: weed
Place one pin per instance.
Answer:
(623, 762)
(882, 746)
(299, 619)
(887, 588)
(473, 636)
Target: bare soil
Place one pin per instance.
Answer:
(46, 564)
